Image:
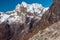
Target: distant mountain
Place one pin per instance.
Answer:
(22, 10)
(14, 25)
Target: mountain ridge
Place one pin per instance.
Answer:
(22, 9)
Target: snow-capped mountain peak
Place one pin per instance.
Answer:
(22, 11)
(24, 4)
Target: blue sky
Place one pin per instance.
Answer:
(9, 5)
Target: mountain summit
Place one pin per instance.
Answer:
(21, 11)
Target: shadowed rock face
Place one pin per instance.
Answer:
(5, 32)
(55, 11)
(17, 31)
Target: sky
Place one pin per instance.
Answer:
(9, 5)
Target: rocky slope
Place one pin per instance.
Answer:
(16, 24)
(50, 33)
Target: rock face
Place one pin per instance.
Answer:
(55, 15)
